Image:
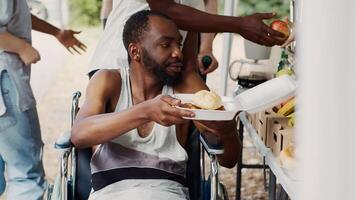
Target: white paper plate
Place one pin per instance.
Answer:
(228, 114)
(259, 98)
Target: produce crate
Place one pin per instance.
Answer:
(262, 122)
(280, 136)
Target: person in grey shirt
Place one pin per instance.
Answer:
(20, 135)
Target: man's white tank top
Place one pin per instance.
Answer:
(159, 156)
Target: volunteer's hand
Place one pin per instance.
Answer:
(67, 38)
(214, 63)
(254, 29)
(163, 111)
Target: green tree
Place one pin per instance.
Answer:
(85, 12)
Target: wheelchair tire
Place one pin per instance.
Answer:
(48, 192)
(205, 190)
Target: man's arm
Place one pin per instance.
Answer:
(66, 37)
(13, 44)
(226, 131)
(93, 126)
(250, 27)
(206, 45)
(190, 52)
(43, 26)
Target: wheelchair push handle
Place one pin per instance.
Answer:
(211, 146)
(75, 105)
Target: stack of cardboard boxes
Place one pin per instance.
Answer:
(273, 129)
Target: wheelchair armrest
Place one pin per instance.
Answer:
(63, 142)
(211, 145)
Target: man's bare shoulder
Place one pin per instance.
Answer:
(105, 81)
(107, 77)
(108, 74)
(103, 91)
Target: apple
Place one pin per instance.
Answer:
(282, 27)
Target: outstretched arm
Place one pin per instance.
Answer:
(65, 37)
(250, 27)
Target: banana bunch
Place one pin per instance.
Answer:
(286, 157)
(291, 120)
(287, 108)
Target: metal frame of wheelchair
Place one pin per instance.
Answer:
(64, 185)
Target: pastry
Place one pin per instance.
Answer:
(205, 100)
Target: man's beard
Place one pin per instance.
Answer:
(159, 69)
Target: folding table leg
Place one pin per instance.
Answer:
(283, 195)
(239, 163)
(272, 186)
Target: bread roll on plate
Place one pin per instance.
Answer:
(207, 100)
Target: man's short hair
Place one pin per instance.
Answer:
(136, 26)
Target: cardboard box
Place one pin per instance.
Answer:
(279, 139)
(274, 124)
(261, 124)
(263, 119)
(287, 137)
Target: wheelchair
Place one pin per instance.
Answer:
(73, 181)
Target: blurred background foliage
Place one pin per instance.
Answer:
(247, 7)
(87, 12)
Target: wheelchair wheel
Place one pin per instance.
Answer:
(52, 191)
(48, 192)
(205, 189)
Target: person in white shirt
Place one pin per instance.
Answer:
(110, 52)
